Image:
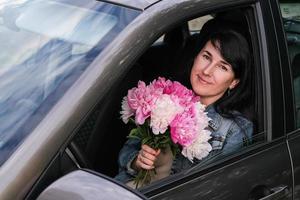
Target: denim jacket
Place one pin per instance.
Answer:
(227, 136)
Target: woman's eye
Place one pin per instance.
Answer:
(223, 67)
(206, 57)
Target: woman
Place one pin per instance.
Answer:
(220, 76)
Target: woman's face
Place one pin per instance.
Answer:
(211, 75)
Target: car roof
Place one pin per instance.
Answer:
(136, 4)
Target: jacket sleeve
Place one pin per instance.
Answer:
(127, 154)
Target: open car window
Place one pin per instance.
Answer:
(97, 142)
(158, 60)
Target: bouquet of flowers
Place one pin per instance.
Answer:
(166, 115)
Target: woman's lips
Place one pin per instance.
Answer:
(202, 80)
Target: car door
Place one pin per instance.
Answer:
(261, 170)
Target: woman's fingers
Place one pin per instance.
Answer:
(146, 157)
(157, 152)
(150, 150)
(144, 163)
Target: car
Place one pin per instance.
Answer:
(67, 64)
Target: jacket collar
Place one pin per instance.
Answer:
(215, 118)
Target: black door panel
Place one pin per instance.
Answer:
(294, 142)
(269, 169)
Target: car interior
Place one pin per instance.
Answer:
(169, 57)
(97, 142)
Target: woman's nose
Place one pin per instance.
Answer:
(208, 70)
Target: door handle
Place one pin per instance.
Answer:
(262, 192)
(276, 193)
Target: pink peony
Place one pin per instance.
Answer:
(160, 83)
(185, 95)
(141, 100)
(169, 105)
(184, 128)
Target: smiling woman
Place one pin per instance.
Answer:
(44, 55)
(211, 75)
(220, 77)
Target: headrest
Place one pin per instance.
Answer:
(178, 36)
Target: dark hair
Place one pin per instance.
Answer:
(235, 50)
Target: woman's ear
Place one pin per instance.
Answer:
(234, 83)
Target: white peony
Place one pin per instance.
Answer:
(201, 116)
(200, 148)
(164, 111)
(126, 111)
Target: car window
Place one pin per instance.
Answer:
(290, 11)
(46, 45)
(159, 59)
(195, 25)
(158, 62)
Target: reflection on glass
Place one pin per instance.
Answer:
(290, 12)
(45, 46)
(81, 27)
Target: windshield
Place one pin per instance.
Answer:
(45, 46)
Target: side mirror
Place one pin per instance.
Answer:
(84, 185)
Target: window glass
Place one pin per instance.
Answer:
(46, 45)
(195, 25)
(291, 18)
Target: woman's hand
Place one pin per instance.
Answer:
(146, 158)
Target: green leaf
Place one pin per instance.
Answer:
(133, 137)
(165, 141)
(131, 121)
(147, 140)
(141, 131)
(134, 132)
